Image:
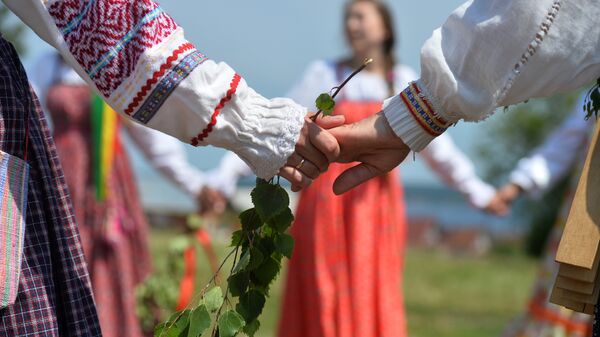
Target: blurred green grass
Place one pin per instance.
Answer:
(445, 295)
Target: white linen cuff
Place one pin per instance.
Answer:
(404, 124)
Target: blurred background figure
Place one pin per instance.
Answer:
(557, 158)
(97, 170)
(345, 276)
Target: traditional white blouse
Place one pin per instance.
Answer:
(165, 153)
(492, 53)
(442, 155)
(137, 57)
(489, 53)
(557, 156)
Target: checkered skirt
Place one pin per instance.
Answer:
(55, 296)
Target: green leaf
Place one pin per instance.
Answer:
(243, 262)
(267, 272)
(269, 200)
(260, 181)
(251, 328)
(284, 244)
(282, 221)
(238, 283)
(256, 258)
(251, 305)
(325, 103)
(250, 220)
(199, 321)
(160, 329)
(237, 238)
(230, 323)
(267, 246)
(176, 326)
(213, 299)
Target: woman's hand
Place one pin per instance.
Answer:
(315, 149)
(373, 144)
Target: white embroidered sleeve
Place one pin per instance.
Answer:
(492, 53)
(137, 57)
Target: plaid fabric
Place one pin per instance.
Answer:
(14, 178)
(55, 296)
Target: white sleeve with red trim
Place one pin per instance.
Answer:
(136, 56)
(492, 53)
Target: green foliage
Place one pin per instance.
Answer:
(269, 201)
(199, 321)
(284, 245)
(159, 293)
(258, 250)
(230, 323)
(251, 305)
(251, 328)
(260, 245)
(213, 299)
(282, 222)
(325, 104)
(513, 136)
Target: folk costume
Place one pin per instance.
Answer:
(136, 57)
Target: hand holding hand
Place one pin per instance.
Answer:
(373, 143)
(502, 202)
(315, 149)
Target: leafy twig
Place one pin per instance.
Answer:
(341, 86)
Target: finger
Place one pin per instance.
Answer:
(354, 177)
(330, 122)
(295, 177)
(305, 166)
(309, 152)
(324, 142)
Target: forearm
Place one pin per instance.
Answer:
(137, 57)
(495, 53)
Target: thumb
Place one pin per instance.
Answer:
(353, 177)
(330, 122)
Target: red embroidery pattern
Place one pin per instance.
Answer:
(139, 97)
(213, 121)
(114, 31)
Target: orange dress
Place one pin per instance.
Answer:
(344, 279)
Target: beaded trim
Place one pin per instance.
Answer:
(213, 120)
(531, 48)
(420, 108)
(167, 85)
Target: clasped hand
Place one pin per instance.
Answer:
(370, 142)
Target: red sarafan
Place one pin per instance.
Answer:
(113, 231)
(344, 278)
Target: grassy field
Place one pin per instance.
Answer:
(446, 296)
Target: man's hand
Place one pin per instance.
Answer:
(315, 149)
(373, 143)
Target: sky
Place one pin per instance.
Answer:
(270, 42)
